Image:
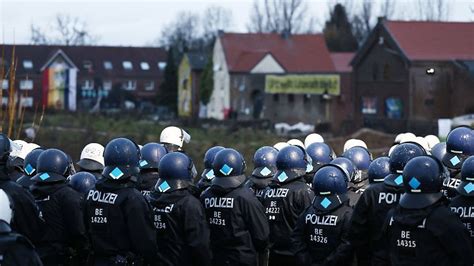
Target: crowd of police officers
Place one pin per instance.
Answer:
(302, 205)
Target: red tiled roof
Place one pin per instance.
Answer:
(434, 40)
(296, 54)
(342, 61)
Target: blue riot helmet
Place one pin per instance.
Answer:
(29, 167)
(379, 169)
(348, 165)
(52, 166)
(360, 156)
(208, 173)
(264, 162)
(422, 179)
(466, 187)
(175, 172)
(229, 169)
(151, 154)
(121, 157)
(320, 153)
(292, 162)
(82, 182)
(439, 150)
(399, 157)
(459, 146)
(330, 187)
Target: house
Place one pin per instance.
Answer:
(408, 74)
(78, 77)
(281, 78)
(189, 80)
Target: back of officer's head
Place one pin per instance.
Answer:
(379, 169)
(151, 154)
(264, 162)
(360, 156)
(121, 157)
(82, 182)
(466, 187)
(330, 180)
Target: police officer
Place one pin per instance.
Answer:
(439, 150)
(27, 219)
(239, 228)
(64, 240)
(422, 230)
(92, 159)
(264, 161)
(284, 200)
(29, 167)
(459, 146)
(15, 249)
(320, 154)
(151, 154)
(208, 174)
(180, 222)
(320, 235)
(82, 182)
(361, 158)
(464, 202)
(173, 138)
(118, 217)
(371, 209)
(20, 149)
(378, 169)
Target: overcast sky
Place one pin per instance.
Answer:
(137, 23)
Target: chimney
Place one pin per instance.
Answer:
(285, 34)
(220, 33)
(381, 19)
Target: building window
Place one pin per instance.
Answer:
(161, 65)
(5, 84)
(108, 65)
(386, 72)
(26, 84)
(369, 105)
(149, 85)
(87, 65)
(127, 65)
(87, 84)
(27, 64)
(276, 97)
(394, 108)
(107, 85)
(144, 66)
(26, 101)
(130, 85)
(291, 98)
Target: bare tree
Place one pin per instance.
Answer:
(65, 30)
(366, 14)
(182, 34)
(387, 9)
(215, 18)
(280, 16)
(432, 10)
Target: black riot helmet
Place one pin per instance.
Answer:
(121, 157)
(151, 154)
(379, 169)
(399, 157)
(459, 146)
(229, 168)
(82, 182)
(175, 172)
(422, 179)
(330, 187)
(466, 187)
(52, 166)
(292, 162)
(209, 156)
(264, 162)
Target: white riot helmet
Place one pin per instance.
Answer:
(312, 138)
(16, 147)
(26, 149)
(280, 145)
(92, 157)
(423, 143)
(408, 137)
(296, 142)
(391, 149)
(354, 143)
(6, 212)
(432, 141)
(175, 136)
(399, 138)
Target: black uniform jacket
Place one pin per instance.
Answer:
(15, 249)
(463, 206)
(239, 228)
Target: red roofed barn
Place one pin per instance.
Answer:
(275, 77)
(392, 88)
